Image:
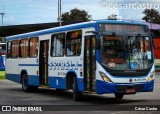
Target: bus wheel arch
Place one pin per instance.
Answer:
(70, 79)
(73, 84)
(21, 75)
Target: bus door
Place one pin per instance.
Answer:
(89, 64)
(43, 62)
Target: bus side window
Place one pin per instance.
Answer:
(15, 48)
(53, 44)
(23, 48)
(73, 45)
(57, 45)
(33, 47)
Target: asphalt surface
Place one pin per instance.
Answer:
(61, 101)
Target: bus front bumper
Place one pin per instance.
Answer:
(104, 87)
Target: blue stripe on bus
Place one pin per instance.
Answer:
(57, 82)
(28, 64)
(52, 81)
(60, 83)
(13, 77)
(101, 86)
(97, 50)
(80, 82)
(104, 87)
(33, 80)
(70, 65)
(79, 65)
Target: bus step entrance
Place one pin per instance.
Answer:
(90, 92)
(44, 86)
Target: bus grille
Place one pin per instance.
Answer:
(122, 88)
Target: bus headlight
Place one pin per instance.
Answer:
(150, 77)
(105, 78)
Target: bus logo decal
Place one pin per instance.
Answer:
(64, 65)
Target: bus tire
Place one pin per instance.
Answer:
(25, 86)
(119, 95)
(76, 94)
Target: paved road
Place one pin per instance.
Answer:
(12, 94)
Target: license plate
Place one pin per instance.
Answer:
(133, 90)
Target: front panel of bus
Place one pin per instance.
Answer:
(125, 59)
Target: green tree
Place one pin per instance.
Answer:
(151, 15)
(112, 17)
(76, 15)
(2, 39)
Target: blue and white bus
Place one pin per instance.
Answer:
(104, 56)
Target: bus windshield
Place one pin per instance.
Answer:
(126, 52)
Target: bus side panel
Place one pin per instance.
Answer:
(60, 66)
(31, 66)
(57, 82)
(13, 77)
(33, 80)
(12, 70)
(80, 82)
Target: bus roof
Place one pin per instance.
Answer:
(69, 27)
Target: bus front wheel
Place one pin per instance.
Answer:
(119, 95)
(76, 94)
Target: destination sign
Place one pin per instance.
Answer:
(123, 28)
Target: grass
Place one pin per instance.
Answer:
(2, 75)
